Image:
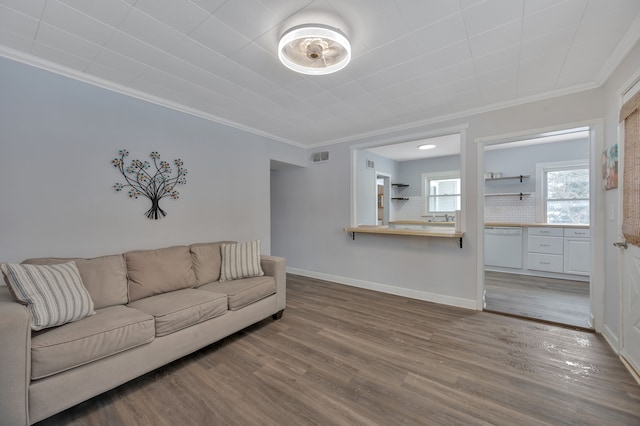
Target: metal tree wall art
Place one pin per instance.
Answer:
(139, 178)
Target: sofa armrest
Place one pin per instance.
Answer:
(15, 360)
(274, 266)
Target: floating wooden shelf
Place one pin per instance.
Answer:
(519, 177)
(509, 194)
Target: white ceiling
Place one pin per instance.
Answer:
(407, 151)
(414, 61)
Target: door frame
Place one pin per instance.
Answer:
(597, 216)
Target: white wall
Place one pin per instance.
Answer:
(428, 268)
(58, 137)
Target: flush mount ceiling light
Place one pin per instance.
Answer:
(314, 49)
(426, 146)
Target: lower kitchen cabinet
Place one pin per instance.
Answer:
(545, 249)
(553, 250)
(576, 251)
(546, 262)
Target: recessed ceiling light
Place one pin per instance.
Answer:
(426, 146)
(314, 49)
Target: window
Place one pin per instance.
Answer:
(565, 192)
(441, 192)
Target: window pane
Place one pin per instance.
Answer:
(444, 186)
(568, 211)
(444, 195)
(567, 184)
(444, 203)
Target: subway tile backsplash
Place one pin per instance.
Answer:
(510, 209)
(410, 209)
(500, 208)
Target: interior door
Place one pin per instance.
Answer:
(630, 225)
(631, 306)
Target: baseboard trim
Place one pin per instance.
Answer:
(390, 289)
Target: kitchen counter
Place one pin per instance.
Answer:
(537, 225)
(421, 222)
(438, 232)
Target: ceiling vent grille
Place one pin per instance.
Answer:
(320, 157)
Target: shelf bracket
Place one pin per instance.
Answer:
(353, 236)
(521, 178)
(460, 241)
(521, 194)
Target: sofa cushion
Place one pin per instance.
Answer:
(240, 260)
(179, 309)
(109, 331)
(206, 261)
(105, 277)
(159, 271)
(54, 294)
(243, 292)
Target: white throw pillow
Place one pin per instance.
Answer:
(54, 294)
(240, 260)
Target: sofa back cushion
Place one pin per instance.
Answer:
(159, 271)
(206, 261)
(105, 277)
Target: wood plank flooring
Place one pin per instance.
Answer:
(347, 356)
(548, 299)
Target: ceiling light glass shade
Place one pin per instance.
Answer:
(426, 146)
(314, 49)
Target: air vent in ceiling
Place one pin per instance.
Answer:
(320, 157)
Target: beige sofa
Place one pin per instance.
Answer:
(152, 307)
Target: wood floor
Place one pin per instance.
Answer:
(560, 301)
(347, 356)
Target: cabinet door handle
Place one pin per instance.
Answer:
(545, 245)
(545, 263)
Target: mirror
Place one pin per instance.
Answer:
(400, 185)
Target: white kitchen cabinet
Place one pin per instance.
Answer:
(576, 251)
(546, 232)
(545, 249)
(545, 262)
(547, 245)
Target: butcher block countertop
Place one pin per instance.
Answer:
(537, 225)
(440, 232)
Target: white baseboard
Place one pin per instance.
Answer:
(385, 288)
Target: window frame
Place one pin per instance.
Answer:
(541, 184)
(426, 197)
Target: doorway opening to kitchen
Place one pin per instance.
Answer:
(537, 227)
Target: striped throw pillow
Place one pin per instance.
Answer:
(54, 294)
(240, 260)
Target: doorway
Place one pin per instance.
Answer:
(537, 227)
(383, 189)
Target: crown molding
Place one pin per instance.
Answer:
(43, 64)
(620, 52)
